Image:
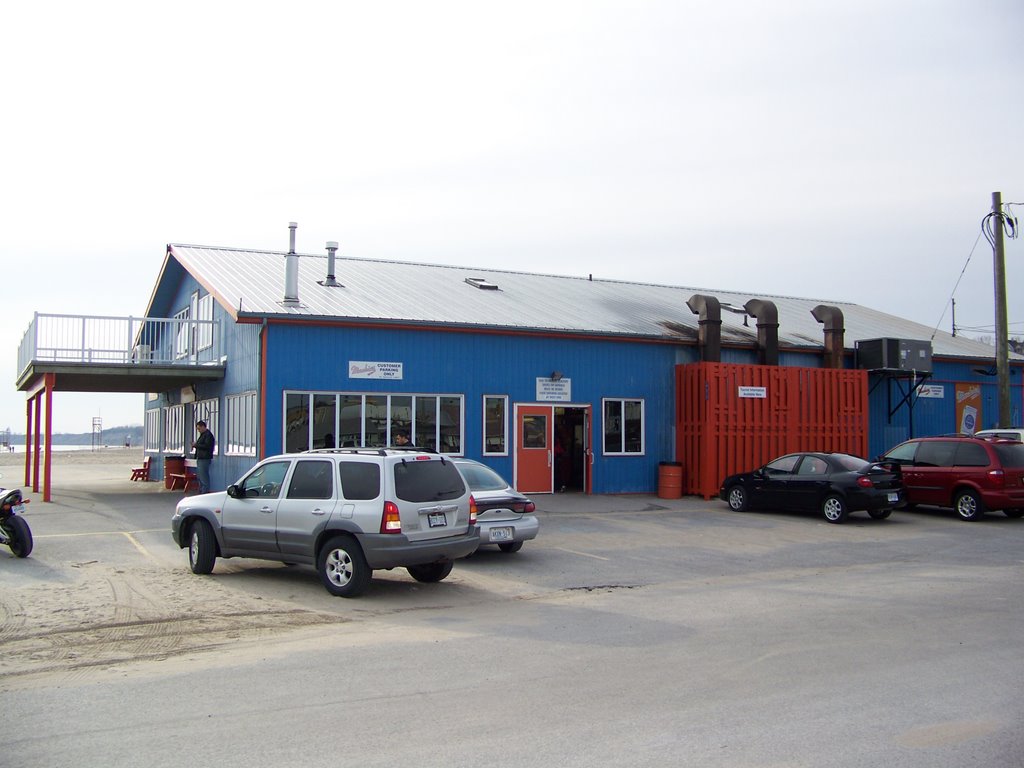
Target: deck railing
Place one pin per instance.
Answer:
(102, 340)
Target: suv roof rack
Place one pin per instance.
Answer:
(373, 451)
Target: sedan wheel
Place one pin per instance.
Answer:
(834, 509)
(969, 506)
(738, 499)
(879, 514)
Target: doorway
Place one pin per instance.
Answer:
(552, 448)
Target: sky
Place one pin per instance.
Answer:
(843, 151)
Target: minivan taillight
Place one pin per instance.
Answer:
(391, 522)
(472, 510)
(998, 477)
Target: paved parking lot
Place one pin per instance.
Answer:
(633, 631)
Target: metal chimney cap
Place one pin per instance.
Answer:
(292, 224)
(332, 244)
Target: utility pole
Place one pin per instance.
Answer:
(1002, 324)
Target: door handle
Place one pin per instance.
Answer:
(319, 511)
(267, 510)
(549, 458)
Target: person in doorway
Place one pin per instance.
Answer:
(203, 447)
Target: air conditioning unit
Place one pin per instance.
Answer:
(142, 353)
(901, 355)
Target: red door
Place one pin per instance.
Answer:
(534, 448)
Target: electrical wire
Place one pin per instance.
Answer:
(952, 293)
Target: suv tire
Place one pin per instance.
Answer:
(834, 509)
(969, 506)
(342, 567)
(431, 572)
(202, 548)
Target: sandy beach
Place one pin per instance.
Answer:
(113, 456)
(102, 465)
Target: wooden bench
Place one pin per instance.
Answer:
(187, 478)
(142, 473)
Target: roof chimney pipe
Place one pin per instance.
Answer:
(767, 315)
(709, 326)
(332, 249)
(291, 269)
(832, 317)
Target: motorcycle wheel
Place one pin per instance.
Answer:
(19, 535)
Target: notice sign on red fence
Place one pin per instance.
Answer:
(756, 392)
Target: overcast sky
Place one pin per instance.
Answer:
(841, 151)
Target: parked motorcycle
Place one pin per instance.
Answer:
(14, 531)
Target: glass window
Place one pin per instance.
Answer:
(360, 480)
(495, 425)
(153, 430)
(324, 430)
(311, 480)
(401, 416)
(208, 411)
(903, 454)
(782, 466)
(482, 478)
(296, 419)
(936, 453)
(425, 434)
(535, 431)
(174, 429)
(971, 455)
(623, 426)
(265, 481)
(422, 481)
(1010, 454)
(371, 420)
(204, 328)
(812, 465)
(241, 424)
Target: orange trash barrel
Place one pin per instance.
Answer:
(173, 465)
(670, 480)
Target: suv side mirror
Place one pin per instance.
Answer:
(233, 491)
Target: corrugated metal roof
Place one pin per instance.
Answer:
(252, 283)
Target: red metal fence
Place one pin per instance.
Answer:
(734, 418)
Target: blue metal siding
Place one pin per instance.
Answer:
(472, 365)
(934, 415)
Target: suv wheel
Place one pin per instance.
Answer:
(342, 567)
(969, 506)
(834, 509)
(202, 548)
(431, 572)
(737, 499)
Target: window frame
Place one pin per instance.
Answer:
(622, 401)
(485, 436)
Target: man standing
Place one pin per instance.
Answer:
(203, 447)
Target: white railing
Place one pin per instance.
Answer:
(119, 341)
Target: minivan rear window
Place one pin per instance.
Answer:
(420, 481)
(1010, 454)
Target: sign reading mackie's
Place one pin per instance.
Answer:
(362, 369)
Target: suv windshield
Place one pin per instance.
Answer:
(420, 481)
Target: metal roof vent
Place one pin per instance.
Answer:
(330, 282)
(709, 326)
(482, 284)
(291, 270)
(767, 329)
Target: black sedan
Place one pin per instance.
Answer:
(834, 484)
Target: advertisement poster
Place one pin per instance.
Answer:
(968, 408)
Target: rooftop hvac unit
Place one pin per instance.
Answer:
(142, 354)
(900, 355)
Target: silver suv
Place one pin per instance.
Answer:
(345, 512)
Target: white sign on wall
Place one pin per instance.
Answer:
(759, 393)
(931, 390)
(549, 390)
(363, 369)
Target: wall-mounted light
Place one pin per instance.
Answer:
(556, 375)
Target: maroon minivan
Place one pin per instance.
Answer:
(970, 474)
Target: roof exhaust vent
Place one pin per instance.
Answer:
(832, 317)
(709, 326)
(330, 282)
(767, 315)
(291, 269)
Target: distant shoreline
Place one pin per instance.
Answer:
(128, 457)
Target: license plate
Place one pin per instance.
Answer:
(500, 534)
(437, 519)
(894, 497)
